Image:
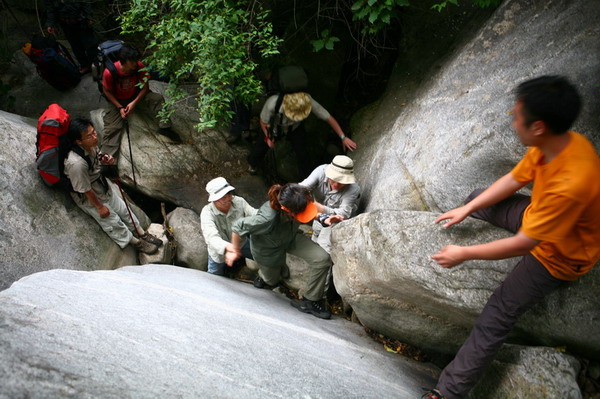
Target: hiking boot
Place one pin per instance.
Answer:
(151, 239)
(316, 308)
(433, 394)
(260, 283)
(146, 247)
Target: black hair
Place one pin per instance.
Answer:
(129, 53)
(550, 99)
(292, 195)
(77, 127)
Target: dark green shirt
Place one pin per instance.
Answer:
(272, 234)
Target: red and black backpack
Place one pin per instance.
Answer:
(53, 146)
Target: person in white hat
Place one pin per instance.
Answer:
(216, 220)
(335, 190)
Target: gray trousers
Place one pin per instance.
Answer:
(114, 125)
(525, 285)
(316, 257)
(118, 224)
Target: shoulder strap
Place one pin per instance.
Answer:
(79, 151)
(277, 111)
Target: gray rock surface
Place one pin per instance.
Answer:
(41, 228)
(163, 331)
(520, 372)
(443, 127)
(191, 247)
(382, 268)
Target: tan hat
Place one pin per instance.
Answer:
(217, 188)
(296, 106)
(341, 170)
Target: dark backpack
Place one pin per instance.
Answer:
(288, 79)
(108, 54)
(53, 62)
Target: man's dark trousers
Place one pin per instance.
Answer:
(525, 285)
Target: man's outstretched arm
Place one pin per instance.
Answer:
(517, 245)
(499, 190)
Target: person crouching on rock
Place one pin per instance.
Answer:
(93, 194)
(216, 220)
(274, 232)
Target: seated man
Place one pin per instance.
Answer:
(556, 230)
(95, 196)
(125, 95)
(335, 190)
(216, 220)
(283, 116)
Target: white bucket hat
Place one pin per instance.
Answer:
(341, 170)
(217, 188)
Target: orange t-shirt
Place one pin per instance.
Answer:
(564, 214)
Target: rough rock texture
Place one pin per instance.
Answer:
(520, 372)
(382, 268)
(163, 331)
(41, 228)
(443, 128)
(191, 247)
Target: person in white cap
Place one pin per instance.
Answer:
(216, 220)
(334, 187)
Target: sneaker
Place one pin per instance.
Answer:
(433, 394)
(146, 247)
(151, 239)
(316, 308)
(260, 283)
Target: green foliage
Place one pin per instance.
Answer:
(326, 41)
(377, 14)
(481, 3)
(211, 43)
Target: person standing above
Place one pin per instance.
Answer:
(217, 219)
(124, 95)
(283, 116)
(334, 187)
(274, 232)
(95, 196)
(557, 229)
(75, 19)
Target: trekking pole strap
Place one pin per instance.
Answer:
(118, 181)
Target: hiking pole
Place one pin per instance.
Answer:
(118, 181)
(130, 153)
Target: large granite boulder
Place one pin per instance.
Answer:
(163, 331)
(41, 228)
(529, 372)
(382, 268)
(443, 127)
(191, 247)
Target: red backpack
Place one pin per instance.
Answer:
(53, 146)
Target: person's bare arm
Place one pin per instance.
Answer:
(102, 209)
(499, 190)
(517, 245)
(347, 143)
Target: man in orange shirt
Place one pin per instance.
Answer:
(557, 229)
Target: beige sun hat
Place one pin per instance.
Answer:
(341, 170)
(296, 106)
(217, 188)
